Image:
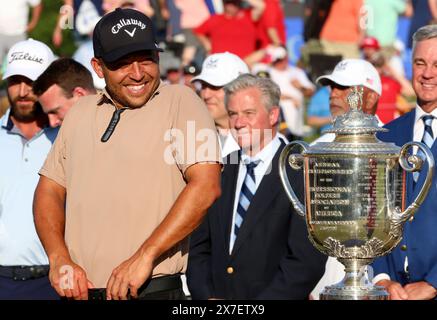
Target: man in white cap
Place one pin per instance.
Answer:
(218, 70)
(25, 140)
(346, 75)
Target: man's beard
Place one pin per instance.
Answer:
(25, 113)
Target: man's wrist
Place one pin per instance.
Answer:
(54, 257)
(149, 253)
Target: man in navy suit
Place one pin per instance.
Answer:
(410, 271)
(252, 245)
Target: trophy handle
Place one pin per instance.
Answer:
(413, 163)
(296, 162)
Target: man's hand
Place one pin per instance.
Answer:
(184, 216)
(68, 279)
(420, 291)
(130, 275)
(57, 37)
(396, 291)
(30, 27)
(36, 14)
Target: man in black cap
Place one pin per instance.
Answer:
(119, 192)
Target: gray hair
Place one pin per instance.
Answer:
(270, 92)
(424, 33)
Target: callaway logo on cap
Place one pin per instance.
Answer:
(121, 32)
(122, 23)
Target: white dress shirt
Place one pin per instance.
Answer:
(419, 126)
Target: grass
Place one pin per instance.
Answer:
(44, 30)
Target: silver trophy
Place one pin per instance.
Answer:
(355, 196)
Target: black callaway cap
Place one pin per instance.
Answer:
(121, 32)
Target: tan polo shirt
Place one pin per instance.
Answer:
(119, 191)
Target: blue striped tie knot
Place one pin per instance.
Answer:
(427, 139)
(428, 136)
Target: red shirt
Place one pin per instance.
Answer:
(234, 34)
(387, 110)
(272, 17)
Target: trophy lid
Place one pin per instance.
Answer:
(355, 121)
(354, 132)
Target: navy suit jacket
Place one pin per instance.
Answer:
(272, 257)
(419, 241)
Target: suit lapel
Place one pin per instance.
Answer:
(406, 135)
(264, 195)
(423, 173)
(229, 184)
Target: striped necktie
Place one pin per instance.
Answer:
(427, 139)
(248, 190)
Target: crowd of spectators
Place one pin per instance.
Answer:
(254, 30)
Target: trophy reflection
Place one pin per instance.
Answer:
(355, 196)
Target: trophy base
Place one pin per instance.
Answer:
(354, 293)
(355, 284)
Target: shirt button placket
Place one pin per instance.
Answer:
(26, 153)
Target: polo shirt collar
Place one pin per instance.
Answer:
(105, 98)
(420, 113)
(9, 126)
(7, 123)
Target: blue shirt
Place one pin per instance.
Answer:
(319, 105)
(20, 161)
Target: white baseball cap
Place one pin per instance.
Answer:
(221, 68)
(260, 68)
(28, 58)
(354, 72)
(276, 53)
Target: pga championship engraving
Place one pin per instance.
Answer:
(355, 202)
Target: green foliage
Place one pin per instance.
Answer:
(44, 30)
